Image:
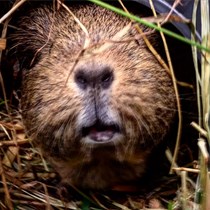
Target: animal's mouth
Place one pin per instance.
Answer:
(100, 133)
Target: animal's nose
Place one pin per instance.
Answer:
(94, 77)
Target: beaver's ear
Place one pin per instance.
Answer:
(33, 37)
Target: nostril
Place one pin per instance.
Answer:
(81, 80)
(107, 78)
(94, 77)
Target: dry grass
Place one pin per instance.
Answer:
(28, 182)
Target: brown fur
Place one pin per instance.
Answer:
(140, 100)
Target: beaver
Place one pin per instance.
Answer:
(94, 98)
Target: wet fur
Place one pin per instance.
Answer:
(140, 99)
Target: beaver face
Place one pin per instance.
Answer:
(96, 113)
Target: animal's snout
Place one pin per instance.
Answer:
(94, 77)
(98, 122)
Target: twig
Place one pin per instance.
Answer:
(14, 142)
(13, 9)
(199, 129)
